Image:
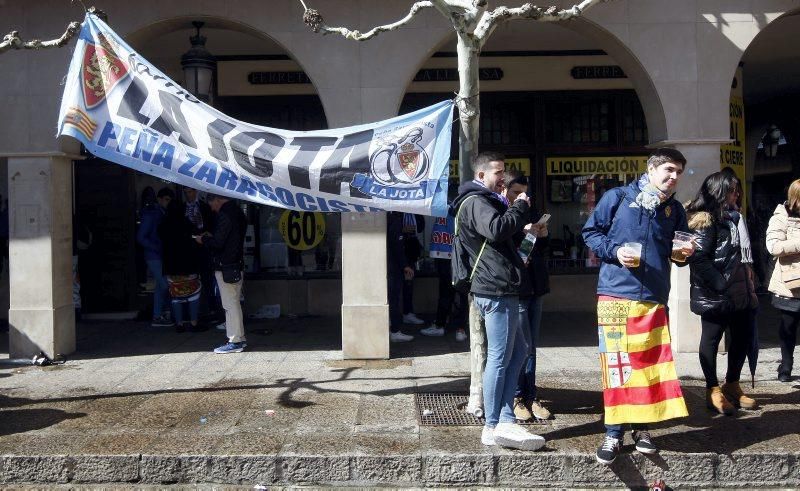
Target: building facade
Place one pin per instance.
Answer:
(575, 105)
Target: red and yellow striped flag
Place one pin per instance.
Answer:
(640, 384)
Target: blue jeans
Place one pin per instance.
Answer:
(161, 293)
(530, 318)
(505, 353)
(193, 307)
(617, 431)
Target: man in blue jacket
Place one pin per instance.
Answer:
(640, 385)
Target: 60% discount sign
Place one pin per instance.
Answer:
(302, 230)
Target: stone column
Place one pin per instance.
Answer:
(365, 311)
(41, 315)
(703, 159)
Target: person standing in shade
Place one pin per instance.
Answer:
(399, 269)
(722, 290)
(451, 305)
(152, 215)
(486, 226)
(783, 243)
(412, 225)
(226, 244)
(526, 402)
(181, 263)
(200, 216)
(640, 385)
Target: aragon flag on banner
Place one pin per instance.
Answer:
(125, 110)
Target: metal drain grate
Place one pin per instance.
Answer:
(447, 409)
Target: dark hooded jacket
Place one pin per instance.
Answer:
(615, 222)
(720, 282)
(484, 217)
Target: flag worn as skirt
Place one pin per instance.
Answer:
(640, 384)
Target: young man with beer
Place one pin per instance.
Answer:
(632, 231)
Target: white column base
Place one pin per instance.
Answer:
(365, 332)
(51, 331)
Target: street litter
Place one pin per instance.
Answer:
(269, 311)
(42, 360)
(269, 412)
(427, 412)
(203, 420)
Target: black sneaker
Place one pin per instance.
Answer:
(644, 444)
(162, 321)
(609, 450)
(784, 377)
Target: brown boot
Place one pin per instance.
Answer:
(716, 401)
(733, 391)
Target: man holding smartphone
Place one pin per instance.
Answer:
(526, 402)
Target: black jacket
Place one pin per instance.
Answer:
(538, 283)
(486, 218)
(227, 240)
(396, 256)
(720, 282)
(180, 252)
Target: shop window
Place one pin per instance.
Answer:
(578, 122)
(505, 123)
(573, 188)
(634, 125)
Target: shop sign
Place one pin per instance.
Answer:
(576, 166)
(597, 72)
(302, 230)
(125, 110)
(521, 165)
(277, 78)
(451, 74)
(732, 154)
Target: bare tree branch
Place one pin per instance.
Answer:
(492, 19)
(13, 41)
(314, 19)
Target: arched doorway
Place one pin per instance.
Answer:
(566, 113)
(769, 72)
(256, 81)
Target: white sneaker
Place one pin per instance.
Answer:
(487, 436)
(222, 327)
(399, 337)
(461, 336)
(433, 330)
(411, 318)
(515, 436)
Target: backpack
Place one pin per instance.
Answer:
(462, 272)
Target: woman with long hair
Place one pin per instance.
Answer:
(722, 291)
(783, 243)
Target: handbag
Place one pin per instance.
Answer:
(232, 273)
(790, 276)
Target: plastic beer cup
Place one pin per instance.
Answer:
(634, 249)
(681, 241)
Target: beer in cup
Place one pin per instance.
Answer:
(634, 249)
(682, 240)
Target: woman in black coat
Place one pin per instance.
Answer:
(722, 291)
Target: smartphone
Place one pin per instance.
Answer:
(526, 247)
(544, 219)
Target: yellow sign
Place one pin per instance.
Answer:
(732, 154)
(521, 165)
(576, 166)
(302, 230)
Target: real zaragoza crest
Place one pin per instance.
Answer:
(102, 70)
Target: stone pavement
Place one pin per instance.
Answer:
(139, 406)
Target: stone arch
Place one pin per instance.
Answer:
(633, 68)
(167, 25)
(640, 79)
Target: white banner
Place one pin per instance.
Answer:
(125, 110)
